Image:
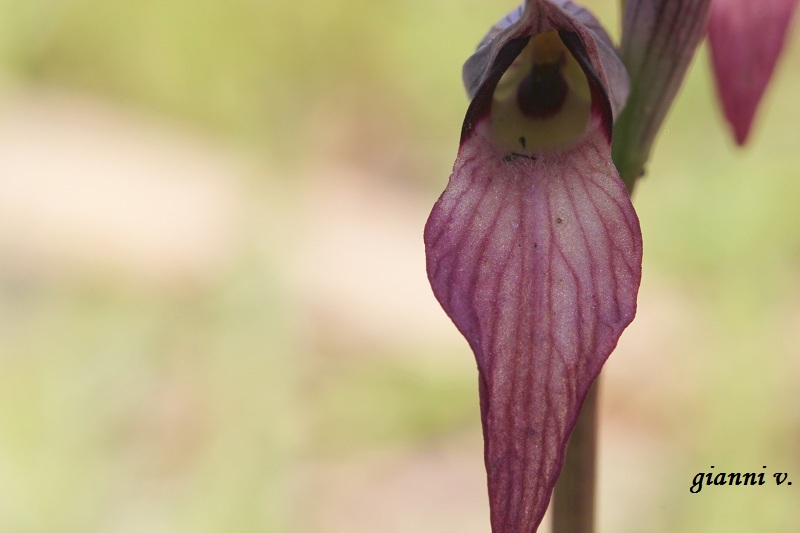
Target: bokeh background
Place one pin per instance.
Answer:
(214, 315)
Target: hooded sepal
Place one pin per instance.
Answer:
(517, 22)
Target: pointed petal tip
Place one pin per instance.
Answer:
(746, 39)
(741, 134)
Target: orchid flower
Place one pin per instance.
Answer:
(746, 39)
(534, 249)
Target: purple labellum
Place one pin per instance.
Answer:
(534, 249)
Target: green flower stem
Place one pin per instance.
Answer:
(629, 162)
(573, 497)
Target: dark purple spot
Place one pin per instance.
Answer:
(543, 92)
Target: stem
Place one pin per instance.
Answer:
(573, 497)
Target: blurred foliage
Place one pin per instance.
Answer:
(262, 70)
(125, 408)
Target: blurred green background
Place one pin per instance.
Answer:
(214, 315)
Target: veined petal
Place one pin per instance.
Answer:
(659, 39)
(534, 251)
(746, 39)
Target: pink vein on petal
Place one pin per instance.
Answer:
(538, 267)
